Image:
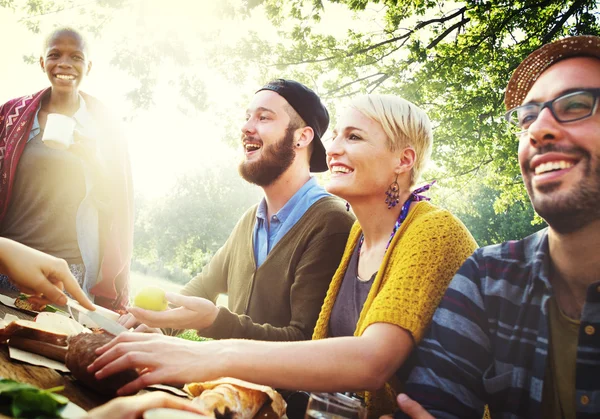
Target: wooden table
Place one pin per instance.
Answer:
(44, 377)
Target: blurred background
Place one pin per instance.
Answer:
(180, 74)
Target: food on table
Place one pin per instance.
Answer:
(230, 398)
(151, 298)
(46, 336)
(62, 323)
(35, 331)
(21, 400)
(55, 352)
(166, 413)
(51, 328)
(82, 352)
(31, 302)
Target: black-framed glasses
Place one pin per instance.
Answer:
(569, 107)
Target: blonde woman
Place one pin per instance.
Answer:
(400, 256)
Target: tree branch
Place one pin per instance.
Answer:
(409, 32)
(378, 82)
(576, 5)
(447, 32)
(58, 10)
(473, 169)
(353, 82)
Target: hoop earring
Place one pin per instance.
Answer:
(392, 194)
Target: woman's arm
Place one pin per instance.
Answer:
(335, 364)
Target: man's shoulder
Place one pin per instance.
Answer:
(516, 251)
(249, 215)
(327, 210)
(505, 268)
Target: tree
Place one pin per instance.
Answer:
(454, 61)
(474, 206)
(193, 220)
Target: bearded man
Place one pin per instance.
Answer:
(277, 263)
(519, 327)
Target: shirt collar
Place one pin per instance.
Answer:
(538, 252)
(286, 210)
(81, 116)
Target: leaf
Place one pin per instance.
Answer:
(22, 400)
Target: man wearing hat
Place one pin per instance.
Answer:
(519, 327)
(277, 263)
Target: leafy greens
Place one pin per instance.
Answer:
(22, 400)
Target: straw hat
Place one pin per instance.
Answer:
(539, 60)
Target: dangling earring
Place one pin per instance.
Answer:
(392, 194)
(347, 206)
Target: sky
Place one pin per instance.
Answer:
(164, 141)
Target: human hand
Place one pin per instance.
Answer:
(133, 407)
(37, 273)
(128, 321)
(158, 358)
(193, 313)
(412, 408)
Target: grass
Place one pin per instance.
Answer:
(138, 280)
(192, 335)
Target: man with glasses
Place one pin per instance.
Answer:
(519, 327)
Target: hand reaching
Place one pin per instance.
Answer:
(133, 407)
(412, 408)
(37, 273)
(193, 313)
(160, 359)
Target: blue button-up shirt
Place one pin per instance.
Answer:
(267, 235)
(489, 339)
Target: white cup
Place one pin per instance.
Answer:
(59, 131)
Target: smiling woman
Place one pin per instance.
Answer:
(66, 186)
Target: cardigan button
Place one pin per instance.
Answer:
(590, 330)
(584, 400)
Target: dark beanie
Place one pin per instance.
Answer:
(308, 105)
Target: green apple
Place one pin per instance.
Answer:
(151, 298)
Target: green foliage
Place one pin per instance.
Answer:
(21, 400)
(193, 220)
(454, 61)
(192, 335)
(488, 224)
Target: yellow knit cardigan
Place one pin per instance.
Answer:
(424, 255)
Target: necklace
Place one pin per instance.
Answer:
(414, 196)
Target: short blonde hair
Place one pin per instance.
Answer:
(404, 123)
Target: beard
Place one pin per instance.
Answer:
(571, 211)
(275, 160)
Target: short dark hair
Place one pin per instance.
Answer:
(307, 104)
(69, 30)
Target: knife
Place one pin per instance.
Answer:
(109, 325)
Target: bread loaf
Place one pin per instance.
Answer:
(230, 398)
(82, 352)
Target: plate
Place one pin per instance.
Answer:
(72, 411)
(164, 413)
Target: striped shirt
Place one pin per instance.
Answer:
(488, 342)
